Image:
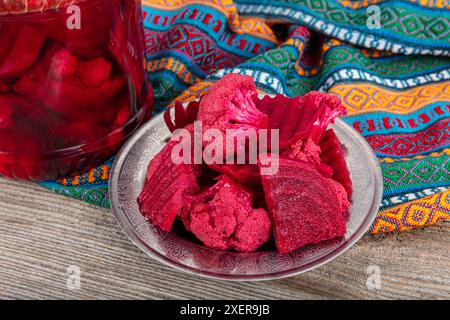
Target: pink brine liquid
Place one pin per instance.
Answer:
(72, 85)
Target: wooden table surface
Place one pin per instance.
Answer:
(42, 234)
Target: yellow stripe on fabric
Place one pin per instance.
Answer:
(364, 97)
(193, 93)
(414, 214)
(93, 175)
(433, 155)
(196, 91)
(175, 66)
(258, 27)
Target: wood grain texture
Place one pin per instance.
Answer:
(42, 233)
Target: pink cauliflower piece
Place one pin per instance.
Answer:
(230, 104)
(227, 221)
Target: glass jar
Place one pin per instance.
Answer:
(72, 84)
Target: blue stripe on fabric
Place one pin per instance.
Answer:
(324, 79)
(218, 37)
(436, 44)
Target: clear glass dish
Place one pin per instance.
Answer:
(175, 250)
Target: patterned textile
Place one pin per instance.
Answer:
(394, 80)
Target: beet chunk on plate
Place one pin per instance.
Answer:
(227, 221)
(333, 154)
(162, 196)
(7, 107)
(304, 205)
(301, 118)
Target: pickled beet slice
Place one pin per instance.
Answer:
(32, 83)
(162, 196)
(23, 52)
(333, 154)
(5, 87)
(304, 206)
(71, 97)
(183, 115)
(300, 118)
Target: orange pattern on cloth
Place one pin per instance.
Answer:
(414, 214)
(366, 97)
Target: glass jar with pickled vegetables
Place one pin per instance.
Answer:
(72, 84)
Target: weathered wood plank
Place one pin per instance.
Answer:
(41, 234)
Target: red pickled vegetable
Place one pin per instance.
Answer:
(244, 173)
(76, 88)
(230, 104)
(122, 116)
(162, 196)
(91, 39)
(305, 197)
(63, 65)
(128, 14)
(5, 87)
(333, 154)
(227, 221)
(8, 34)
(71, 97)
(68, 96)
(183, 115)
(22, 53)
(301, 118)
(304, 206)
(6, 111)
(96, 72)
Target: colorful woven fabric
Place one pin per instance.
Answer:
(394, 79)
